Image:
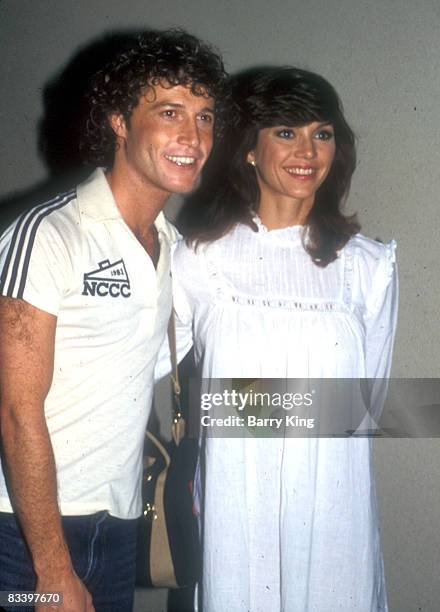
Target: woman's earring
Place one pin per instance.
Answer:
(253, 163)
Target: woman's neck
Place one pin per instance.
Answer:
(284, 212)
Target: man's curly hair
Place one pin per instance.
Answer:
(170, 56)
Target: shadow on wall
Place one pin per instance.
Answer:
(60, 127)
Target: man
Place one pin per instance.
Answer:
(86, 296)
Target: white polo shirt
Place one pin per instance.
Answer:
(76, 258)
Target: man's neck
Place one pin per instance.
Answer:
(138, 203)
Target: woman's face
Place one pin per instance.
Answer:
(292, 162)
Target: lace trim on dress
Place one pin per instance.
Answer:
(214, 277)
(287, 304)
(348, 274)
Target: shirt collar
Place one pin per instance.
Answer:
(96, 203)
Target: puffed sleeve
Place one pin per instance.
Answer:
(380, 319)
(183, 321)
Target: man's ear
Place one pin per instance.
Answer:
(118, 125)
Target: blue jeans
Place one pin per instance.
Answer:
(103, 552)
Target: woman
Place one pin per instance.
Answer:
(277, 283)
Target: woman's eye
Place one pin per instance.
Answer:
(324, 135)
(285, 133)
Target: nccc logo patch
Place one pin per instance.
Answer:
(108, 279)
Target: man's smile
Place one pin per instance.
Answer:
(181, 160)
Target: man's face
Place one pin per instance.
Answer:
(166, 141)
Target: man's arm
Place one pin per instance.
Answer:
(27, 338)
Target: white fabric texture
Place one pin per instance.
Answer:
(76, 258)
(289, 524)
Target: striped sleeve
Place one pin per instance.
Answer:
(34, 255)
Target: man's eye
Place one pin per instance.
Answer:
(169, 113)
(206, 117)
(285, 133)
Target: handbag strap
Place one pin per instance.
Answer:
(178, 425)
(173, 352)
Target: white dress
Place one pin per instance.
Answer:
(290, 525)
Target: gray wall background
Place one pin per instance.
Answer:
(383, 58)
